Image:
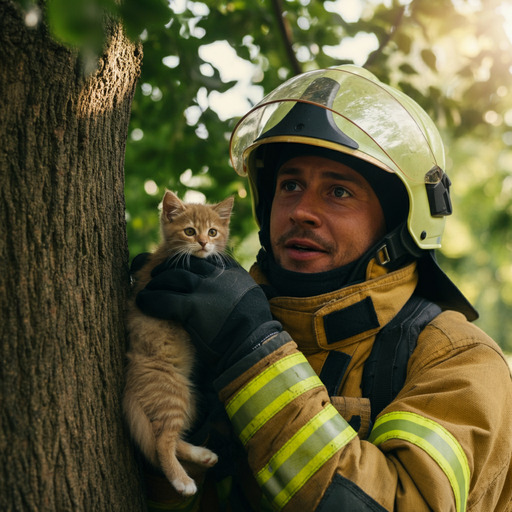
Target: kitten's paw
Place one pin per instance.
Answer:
(185, 487)
(204, 456)
(209, 460)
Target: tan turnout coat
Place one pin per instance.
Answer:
(458, 387)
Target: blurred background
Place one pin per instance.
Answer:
(206, 63)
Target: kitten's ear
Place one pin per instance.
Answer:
(224, 208)
(172, 206)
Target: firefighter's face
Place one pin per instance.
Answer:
(324, 215)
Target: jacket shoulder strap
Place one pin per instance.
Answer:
(385, 370)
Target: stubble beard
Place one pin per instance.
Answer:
(331, 248)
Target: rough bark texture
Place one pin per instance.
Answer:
(63, 273)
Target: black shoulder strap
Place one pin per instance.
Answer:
(385, 370)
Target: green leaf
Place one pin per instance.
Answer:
(403, 41)
(78, 23)
(465, 72)
(138, 15)
(429, 59)
(435, 93)
(407, 69)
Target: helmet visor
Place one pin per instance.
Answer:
(390, 128)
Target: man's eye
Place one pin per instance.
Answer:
(340, 192)
(290, 186)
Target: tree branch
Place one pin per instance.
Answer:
(286, 34)
(386, 40)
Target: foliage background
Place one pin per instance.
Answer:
(205, 64)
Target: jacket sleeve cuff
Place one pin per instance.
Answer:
(251, 359)
(343, 494)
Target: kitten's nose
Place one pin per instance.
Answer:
(202, 244)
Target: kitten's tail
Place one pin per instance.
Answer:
(140, 427)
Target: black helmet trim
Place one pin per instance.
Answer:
(439, 197)
(310, 120)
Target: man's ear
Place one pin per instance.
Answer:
(172, 206)
(225, 207)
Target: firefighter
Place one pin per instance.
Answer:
(346, 360)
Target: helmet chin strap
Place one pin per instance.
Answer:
(391, 252)
(395, 245)
(264, 237)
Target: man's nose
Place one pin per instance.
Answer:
(306, 210)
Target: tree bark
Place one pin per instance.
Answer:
(63, 273)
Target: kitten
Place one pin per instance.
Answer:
(158, 397)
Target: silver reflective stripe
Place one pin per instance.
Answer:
(303, 455)
(433, 439)
(270, 392)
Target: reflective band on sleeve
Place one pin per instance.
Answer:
(269, 392)
(433, 439)
(302, 455)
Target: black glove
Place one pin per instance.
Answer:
(223, 309)
(139, 261)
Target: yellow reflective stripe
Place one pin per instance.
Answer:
(263, 378)
(433, 439)
(303, 454)
(276, 405)
(270, 392)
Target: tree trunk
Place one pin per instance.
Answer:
(63, 273)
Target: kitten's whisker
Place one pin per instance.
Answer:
(218, 257)
(228, 254)
(180, 254)
(185, 258)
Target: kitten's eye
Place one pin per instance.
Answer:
(190, 231)
(212, 232)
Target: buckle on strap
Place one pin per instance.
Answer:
(395, 245)
(382, 255)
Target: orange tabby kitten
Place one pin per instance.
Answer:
(158, 398)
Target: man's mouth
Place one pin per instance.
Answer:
(303, 246)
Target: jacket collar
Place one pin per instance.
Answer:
(341, 318)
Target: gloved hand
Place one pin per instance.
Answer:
(138, 262)
(223, 309)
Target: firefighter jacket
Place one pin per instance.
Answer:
(444, 443)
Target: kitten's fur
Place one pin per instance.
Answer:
(158, 398)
